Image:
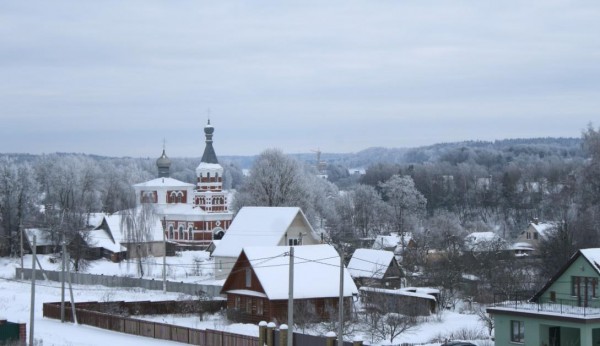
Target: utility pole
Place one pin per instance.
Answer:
(32, 308)
(71, 289)
(164, 268)
(341, 301)
(62, 279)
(22, 267)
(290, 338)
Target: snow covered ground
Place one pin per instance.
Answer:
(189, 267)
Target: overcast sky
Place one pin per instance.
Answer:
(116, 77)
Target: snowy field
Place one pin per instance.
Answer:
(189, 267)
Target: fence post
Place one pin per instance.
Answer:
(262, 333)
(358, 341)
(330, 338)
(283, 335)
(270, 328)
(23, 333)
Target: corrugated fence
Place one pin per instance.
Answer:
(120, 281)
(89, 313)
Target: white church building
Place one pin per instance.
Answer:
(193, 215)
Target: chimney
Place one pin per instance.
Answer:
(536, 220)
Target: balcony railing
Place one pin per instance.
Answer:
(572, 307)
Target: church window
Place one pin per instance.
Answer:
(190, 232)
(180, 232)
(170, 231)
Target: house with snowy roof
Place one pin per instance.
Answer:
(535, 232)
(394, 242)
(257, 288)
(411, 301)
(484, 242)
(262, 226)
(193, 214)
(114, 240)
(566, 311)
(47, 241)
(375, 268)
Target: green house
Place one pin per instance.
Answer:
(565, 312)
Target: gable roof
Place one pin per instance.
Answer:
(43, 236)
(483, 241)
(110, 234)
(543, 227)
(256, 226)
(164, 183)
(370, 263)
(386, 241)
(316, 271)
(592, 256)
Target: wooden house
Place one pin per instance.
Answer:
(410, 301)
(375, 268)
(257, 288)
(262, 226)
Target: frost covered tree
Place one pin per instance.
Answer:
(18, 196)
(137, 225)
(368, 211)
(275, 180)
(406, 203)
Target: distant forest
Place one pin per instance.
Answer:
(437, 194)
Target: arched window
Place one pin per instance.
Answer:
(170, 231)
(179, 197)
(190, 229)
(180, 232)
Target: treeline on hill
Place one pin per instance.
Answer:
(433, 195)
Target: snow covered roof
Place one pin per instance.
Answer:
(386, 241)
(543, 227)
(117, 232)
(522, 246)
(178, 209)
(425, 293)
(94, 219)
(209, 166)
(481, 241)
(256, 226)
(101, 238)
(164, 182)
(316, 271)
(593, 256)
(370, 263)
(43, 237)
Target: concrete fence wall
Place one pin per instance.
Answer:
(127, 282)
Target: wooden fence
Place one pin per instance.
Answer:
(91, 313)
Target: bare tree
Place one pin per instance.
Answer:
(138, 226)
(485, 318)
(407, 204)
(275, 180)
(18, 195)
